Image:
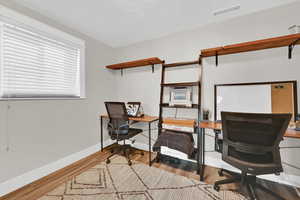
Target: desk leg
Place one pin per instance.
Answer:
(201, 152)
(203, 156)
(101, 134)
(149, 144)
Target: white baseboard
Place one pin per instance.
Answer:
(36, 174)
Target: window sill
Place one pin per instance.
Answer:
(41, 99)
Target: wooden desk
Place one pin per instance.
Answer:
(211, 125)
(146, 119)
(290, 133)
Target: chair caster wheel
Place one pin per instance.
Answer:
(107, 161)
(217, 188)
(220, 172)
(129, 163)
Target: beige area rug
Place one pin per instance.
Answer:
(117, 180)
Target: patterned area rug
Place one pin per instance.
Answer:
(117, 180)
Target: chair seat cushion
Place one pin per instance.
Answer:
(131, 133)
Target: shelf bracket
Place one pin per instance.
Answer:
(200, 60)
(121, 72)
(217, 59)
(291, 48)
(152, 68)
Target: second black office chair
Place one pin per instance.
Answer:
(251, 144)
(119, 130)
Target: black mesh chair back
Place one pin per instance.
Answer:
(118, 118)
(119, 130)
(251, 141)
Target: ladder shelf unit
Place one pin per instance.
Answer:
(197, 154)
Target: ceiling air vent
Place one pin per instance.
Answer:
(226, 10)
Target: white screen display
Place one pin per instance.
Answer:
(180, 94)
(244, 98)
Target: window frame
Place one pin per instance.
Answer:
(11, 16)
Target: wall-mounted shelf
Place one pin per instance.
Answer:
(288, 40)
(181, 84)
(137, 63)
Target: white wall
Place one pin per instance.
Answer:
(43, 131)
(267, 65)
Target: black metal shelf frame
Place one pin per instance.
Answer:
(198, 156)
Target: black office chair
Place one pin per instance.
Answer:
(119, 130)
(251, 144)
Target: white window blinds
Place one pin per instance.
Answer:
(34, 65)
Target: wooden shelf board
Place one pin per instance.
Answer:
(136, 63)
(181, 84)
(211, 125)
(290, 133)
(253, 45)
(181, 64)
(180, 122)
(166, 105)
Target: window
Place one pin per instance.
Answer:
(36, 64)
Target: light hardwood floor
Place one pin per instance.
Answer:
(41, 187)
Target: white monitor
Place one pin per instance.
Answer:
(181, 96)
